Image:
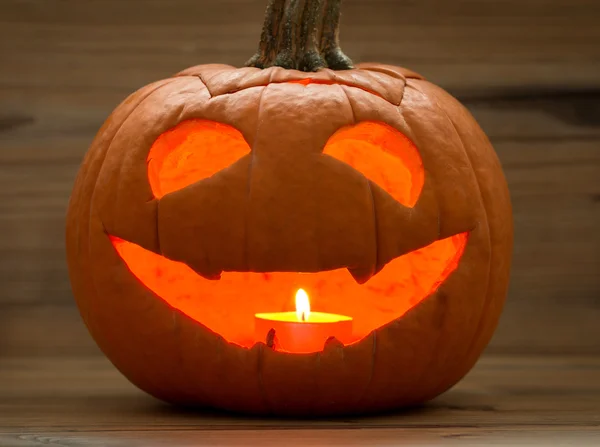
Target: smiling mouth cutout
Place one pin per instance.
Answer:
(197, 149)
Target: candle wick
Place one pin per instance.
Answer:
(303, 316)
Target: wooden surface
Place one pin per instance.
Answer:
(504, 401)
(528, 70)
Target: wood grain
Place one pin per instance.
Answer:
(374, 437)
(464, 42)
(529, 72)
(505, 400)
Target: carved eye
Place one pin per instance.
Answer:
(383, 155)
(191, 151)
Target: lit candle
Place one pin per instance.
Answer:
(303, 331)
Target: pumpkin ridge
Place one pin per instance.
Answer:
(486, 303)
(487, 299)
(471, 350)
(391, 70)
(340, 82)
(316, 81)
(377, 264)
(210, 94)
(433, 293)
(231, 80)
(249, 185)
(314, 398)
(260, 379)
(372, 268)
(106, 152)
(74, 208)
(367, 389)
(116, 175)
(163, 83)
(375, 76)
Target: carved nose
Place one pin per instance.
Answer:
(318, 215)
(314, 216)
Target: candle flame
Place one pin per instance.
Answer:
(302, 305)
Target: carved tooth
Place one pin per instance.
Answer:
(272, 339)
(361, 275)
(332, 343)
(211, 275)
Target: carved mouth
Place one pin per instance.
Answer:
(227, 306)
(222, 222)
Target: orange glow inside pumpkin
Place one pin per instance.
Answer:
(227, 306)
(193, 150)
(197, 149)
(383, 155)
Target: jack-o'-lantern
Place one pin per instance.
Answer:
(222, 194)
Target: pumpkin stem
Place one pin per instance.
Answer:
(268, 45)
(330, 37)
(301, 35)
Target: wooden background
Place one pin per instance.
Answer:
(529, 70)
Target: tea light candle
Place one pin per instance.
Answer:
(303, 331)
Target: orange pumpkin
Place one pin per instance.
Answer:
(216, 194)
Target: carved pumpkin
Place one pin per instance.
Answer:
(214, 195)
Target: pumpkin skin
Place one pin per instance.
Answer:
(410, 359)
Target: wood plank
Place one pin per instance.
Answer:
(182, 12)
(43, 330)
(503, 400)
(460, 43)
(311, 437)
